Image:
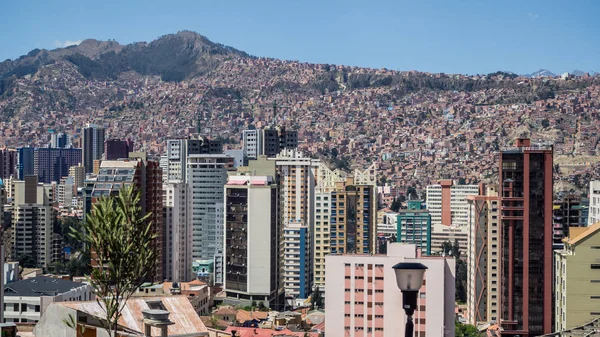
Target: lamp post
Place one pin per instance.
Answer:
(409, 277)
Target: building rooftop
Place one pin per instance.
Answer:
(40, 286)
(180, 311)
(578, 234)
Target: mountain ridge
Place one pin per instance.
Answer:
(188, 50)
(97, 53)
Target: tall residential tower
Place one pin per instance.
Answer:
(526, 239)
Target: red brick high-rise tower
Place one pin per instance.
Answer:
(526, 239)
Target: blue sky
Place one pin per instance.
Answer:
(452, 36)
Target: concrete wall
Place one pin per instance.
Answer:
(579, 285)
(52, 324)
(259, 240)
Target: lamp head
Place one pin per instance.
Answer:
(409, 275)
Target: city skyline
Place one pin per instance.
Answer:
(512, 36)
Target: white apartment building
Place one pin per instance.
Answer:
(178, 235)
(388, 225)
(25, 301)
(296, 260)
(594, 215)
(447, 203)
(206, 177)
(173, 164)
(66, 192)
(321, 236)
(252, 143)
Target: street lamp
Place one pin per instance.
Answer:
(409, 277)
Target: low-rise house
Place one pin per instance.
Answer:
(225, 313)
(197, 292)
(26, 300)
(88, 317)
(288, 318)
(246, 318)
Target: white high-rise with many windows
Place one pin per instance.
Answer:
(206, 179)
(178, 236)
(447, 203)
(594, 215)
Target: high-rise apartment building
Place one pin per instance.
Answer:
(483, 257)
(177, 246)
(52, 164)
(297, 259)
(175, 161)
(414, 226)
(206, 178)
(2, 202)
(448, 204)
(320, 236)
(251, 243)
(78, 174)
(117, 149)
(8, 162)
(329, 223)
(194, 174)
(566, 212)
(577, 278)
(269, 141)
(66, 192)
(92, 145)
(363, 299)
(353, 218)
(25, 162)
(594, 208)
(526, 239)
(59, 140)
(33, 222)
(296, 179)
(146, 176)
(449, 210)
(252, 140)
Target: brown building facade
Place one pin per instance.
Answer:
(526, 239)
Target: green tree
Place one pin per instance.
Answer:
(121, 239)
(66, 223)
(261, 306)
(316, 300)
(465, 330)
(411, 193)
(27, 261)
(545, 122)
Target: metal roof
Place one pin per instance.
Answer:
(181, 311)
(40, 286)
